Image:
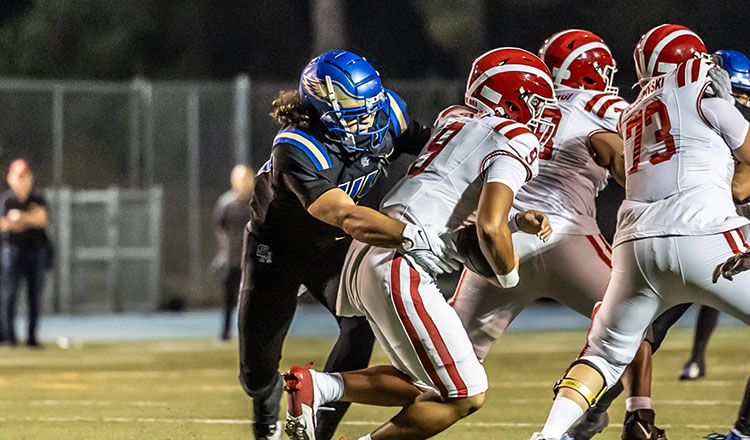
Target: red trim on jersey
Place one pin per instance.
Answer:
(732, 244)
(603, 109)
(516, 132)
(398, 302)
(458, 288)
(442, 114)
(592, 102)
(503, 124)
(482, 166)
(599, 250)
(698, 105)
(695, 70)
(606, 244)
(681, 75)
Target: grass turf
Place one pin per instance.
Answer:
(187, 389)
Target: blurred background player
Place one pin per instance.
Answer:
(340, 129)
(583, 149)
(738, 67)
(677, 221)
(471, 164)
(232, 212)
(25, 250)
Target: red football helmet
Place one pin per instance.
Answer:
(581, 60)
(511, 83)
(665, 47)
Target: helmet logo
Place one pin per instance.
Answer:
(336, 94)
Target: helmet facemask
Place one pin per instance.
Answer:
(536, 104)
(608, 76)
(359, 128)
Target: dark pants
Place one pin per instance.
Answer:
(18, 264)
(231, 291)
(271, 278)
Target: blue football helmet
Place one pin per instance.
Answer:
(738, 66)
(345, 92)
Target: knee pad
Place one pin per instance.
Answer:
(588, 395)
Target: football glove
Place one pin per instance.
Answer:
(722, 85)
(734, 265)
(435, 252)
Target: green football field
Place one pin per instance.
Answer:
(187, 389)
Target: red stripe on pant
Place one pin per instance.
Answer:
(606, 244)
(597, 306)
(732, 243)
(599, 250)
(432, 331)
(458, 288)
(742, 239)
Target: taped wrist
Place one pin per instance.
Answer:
(508, 280)
(589, 396)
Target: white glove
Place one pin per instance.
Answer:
(434, 252)
(722, 85)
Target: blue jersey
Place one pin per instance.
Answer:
(304, 164)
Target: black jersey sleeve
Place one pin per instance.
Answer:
(296, 171)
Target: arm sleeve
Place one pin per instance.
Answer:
(514, 165)
(294, 170)
(725, 120)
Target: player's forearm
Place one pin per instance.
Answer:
(497, 246)
(372, 227)
(617, 169)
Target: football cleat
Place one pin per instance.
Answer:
(590, 424)
(302, 404)
(539, 436)
(693, 370)
(639, 425)
(733, 435)
(268, 432)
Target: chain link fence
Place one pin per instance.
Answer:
(178, 138)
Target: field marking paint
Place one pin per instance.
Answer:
(249, 422)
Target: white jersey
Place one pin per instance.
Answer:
(569, 179)
(443, 186)
(678, 167)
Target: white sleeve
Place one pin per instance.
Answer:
(726, 121)
(507, 169)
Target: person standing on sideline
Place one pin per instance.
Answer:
(232, 213)
(25, 250)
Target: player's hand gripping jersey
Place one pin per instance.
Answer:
(569, 178)
(678, 166)
(443, 185)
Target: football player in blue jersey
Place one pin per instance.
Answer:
(339, 132)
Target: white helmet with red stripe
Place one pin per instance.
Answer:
(511, 83)
(580, 60)
(665, 47)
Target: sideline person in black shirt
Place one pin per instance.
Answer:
(232, 213)
(25, 250)
(340, 131)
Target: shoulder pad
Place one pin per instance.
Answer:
(399, 118)
(308, 144)
(601, 102)
(511, 129)
(454, 111)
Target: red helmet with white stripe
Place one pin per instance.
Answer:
(665, 47)
(511, 83)
(581, 60)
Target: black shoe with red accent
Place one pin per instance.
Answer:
(302, 404)
(639, 425)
